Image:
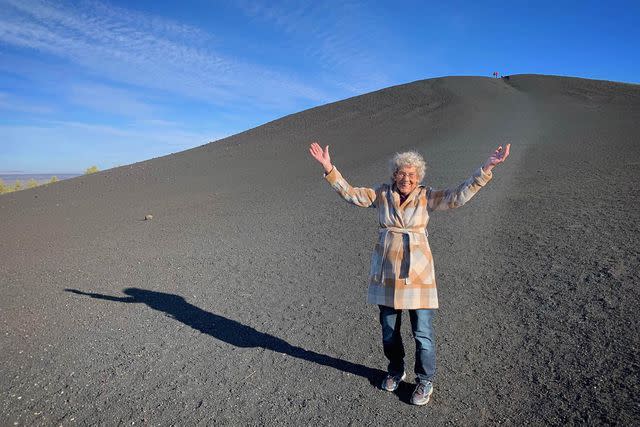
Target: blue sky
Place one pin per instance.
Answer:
(110, 83)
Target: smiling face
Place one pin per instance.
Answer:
(406, 179)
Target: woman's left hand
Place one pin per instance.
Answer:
(496, 157)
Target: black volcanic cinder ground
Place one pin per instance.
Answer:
(243, 300)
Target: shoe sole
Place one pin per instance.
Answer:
(398, 385)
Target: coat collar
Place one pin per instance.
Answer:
(395, 195)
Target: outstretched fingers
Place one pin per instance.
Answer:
(318, 153)
(315, 150)
(501, 153)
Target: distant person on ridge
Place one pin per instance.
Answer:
(402, 273)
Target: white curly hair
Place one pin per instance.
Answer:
(408, 159)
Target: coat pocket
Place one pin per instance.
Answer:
(375, 271)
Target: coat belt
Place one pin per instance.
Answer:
(411, 234)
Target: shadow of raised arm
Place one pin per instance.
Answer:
(105, 297)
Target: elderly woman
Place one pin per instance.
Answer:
(402, 273)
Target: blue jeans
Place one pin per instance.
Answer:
(422, 328)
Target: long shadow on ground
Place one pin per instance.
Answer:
(231, 331)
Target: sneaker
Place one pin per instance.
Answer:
(422, 393)
(391, 382)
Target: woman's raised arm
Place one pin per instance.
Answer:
(438, 200)
(359, 196)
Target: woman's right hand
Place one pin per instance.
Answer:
(322, 156)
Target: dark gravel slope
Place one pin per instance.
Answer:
(242, 300)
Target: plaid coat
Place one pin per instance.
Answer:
(402, 273)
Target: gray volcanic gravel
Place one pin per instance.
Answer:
(243, 300)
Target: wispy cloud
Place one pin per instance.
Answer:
(146, 51)
(109, 99)
(160, 86)
(14, 103)
(172, 136)
(158, 122)
(341, 37)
